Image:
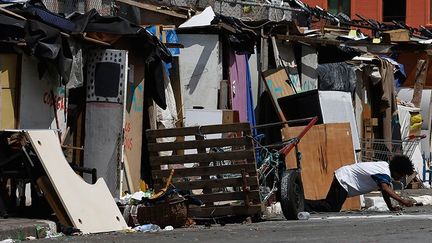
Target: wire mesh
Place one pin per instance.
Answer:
(104, 7)
(384, 150)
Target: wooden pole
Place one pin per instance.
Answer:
(421, 74)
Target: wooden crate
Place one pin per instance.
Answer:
(208, 179)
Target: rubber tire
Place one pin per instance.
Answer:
(291, 194)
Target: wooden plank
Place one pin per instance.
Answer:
(422, 69)
(215, 183)
(206, 170)
(53, 200)
(200, 138)
(276, 84)
(324, 149)
(224, 211)
(308, 40)
(133, 127)
(8, 71)
(202, 158)
(400, 35)
(209, 143)
(9, 110)
(95, 211)
(227, 196)
(8, 85)
(211, 129)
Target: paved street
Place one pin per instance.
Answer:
(415, 225)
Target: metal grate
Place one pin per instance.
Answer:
(104, 7)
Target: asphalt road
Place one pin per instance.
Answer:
(413, 226)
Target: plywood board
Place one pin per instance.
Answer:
(8, 69)
(277, 85)
(324, 149)
(8, 102)
(200, 70)
(8, 109)
(91, 208)
(133, 126)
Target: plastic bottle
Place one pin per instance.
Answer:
(147, 228)
(303, 215)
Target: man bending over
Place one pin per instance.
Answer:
(361, 178)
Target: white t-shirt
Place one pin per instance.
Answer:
(363, 177)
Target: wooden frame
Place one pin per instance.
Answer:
(206, 175)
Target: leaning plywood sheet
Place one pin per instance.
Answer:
(91, 208)
(277, 85)
(133, 125)
(324, 149)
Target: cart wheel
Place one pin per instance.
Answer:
(291, 194)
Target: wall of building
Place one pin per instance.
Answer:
(418, 12)
(313, 3)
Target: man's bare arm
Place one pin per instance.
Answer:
(388, 193)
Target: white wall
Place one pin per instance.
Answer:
(200, 64)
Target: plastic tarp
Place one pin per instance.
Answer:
(337, 77)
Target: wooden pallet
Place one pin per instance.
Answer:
(230, 189)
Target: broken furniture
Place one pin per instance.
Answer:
(221, 172)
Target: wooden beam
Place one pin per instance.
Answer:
(153, 8)
(227, 196)
(420, 80)
(206, 170)
(202, 157)
(215, 183)
(194, 144)
(186, 131)
(223, 211)
(309, 40)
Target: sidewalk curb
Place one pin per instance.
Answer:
(19, 229)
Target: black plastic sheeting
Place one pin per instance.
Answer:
(243, 41)
(337, 77)
(42, 32)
